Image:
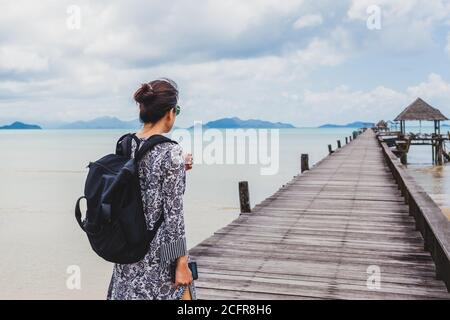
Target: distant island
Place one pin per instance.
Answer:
(20, 125)
(235, 122)
(102, 123)
(356, 124)
(115, 123)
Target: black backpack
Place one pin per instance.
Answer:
(115, 223)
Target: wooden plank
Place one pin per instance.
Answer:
(403, 285)
(319, 246)
(308, 289)
(321, 272)
(318, 267)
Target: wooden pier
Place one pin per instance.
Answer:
(346, 229)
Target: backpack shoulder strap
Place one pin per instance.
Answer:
(150, 143)
(123, 145)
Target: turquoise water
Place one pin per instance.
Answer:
(43, 172)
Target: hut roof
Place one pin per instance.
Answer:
(382, 124)
(420, 110)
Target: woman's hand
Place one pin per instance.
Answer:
(183, 275)
(188, 161)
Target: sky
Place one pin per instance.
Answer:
(296, 61)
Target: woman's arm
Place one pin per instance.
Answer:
(174, 247)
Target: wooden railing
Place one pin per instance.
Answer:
(430, 221)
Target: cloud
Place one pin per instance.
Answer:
(329, 51)
(19, 59)
(342, 103)
(320, 52)
(435, 88)
(406, 25)
(307, 21)
(447, 47)
(397, 10)
(230, 58)
(226, 58)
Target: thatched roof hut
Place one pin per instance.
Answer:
(419, 110)
(382, 124)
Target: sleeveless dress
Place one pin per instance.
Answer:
(163, 180)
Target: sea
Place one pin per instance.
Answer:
(45, 255)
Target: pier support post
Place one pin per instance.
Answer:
(346, 140)
(351, 138)
(339, 144)
(244, 197)
(433, 152)
(304, 162)
(404, 158)
(439, 151)
(330, 149)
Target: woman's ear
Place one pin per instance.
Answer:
(170, 115)
(169, 119)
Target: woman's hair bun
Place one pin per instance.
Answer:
(147, 87)
(144, 94)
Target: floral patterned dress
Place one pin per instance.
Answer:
(163, 179)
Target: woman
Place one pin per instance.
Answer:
(162, 173)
